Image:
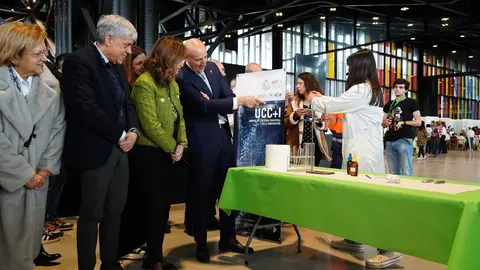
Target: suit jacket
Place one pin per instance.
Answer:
(158, 122)
(93, 128)
(201, 115)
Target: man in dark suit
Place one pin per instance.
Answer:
(206, 100)
(101, 129)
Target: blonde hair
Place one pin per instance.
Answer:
(18, 38)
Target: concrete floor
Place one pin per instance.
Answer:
(180, 248)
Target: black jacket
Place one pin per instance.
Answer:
(93, 128)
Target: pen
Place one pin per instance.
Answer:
(368, 177)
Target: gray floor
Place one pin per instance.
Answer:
(317, 254)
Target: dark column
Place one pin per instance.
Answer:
(147, 27)
(277, 48)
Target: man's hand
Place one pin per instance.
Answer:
(177, 156)
(128, 142)
(205, 96)
(249, 101)
(35, 182)
(399, 124)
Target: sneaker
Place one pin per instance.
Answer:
(347, 245)
(136, 254)
(49, 237)
(419, 158)
(52, 229)
(62, 225)
(384, 260)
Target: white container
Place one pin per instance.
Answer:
(277, 157)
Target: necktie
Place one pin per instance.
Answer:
(202, 75)
(119, 92)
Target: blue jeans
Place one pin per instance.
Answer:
(399, 157)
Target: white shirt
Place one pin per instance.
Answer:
(25, 85)
(235, 104)
(470, 133)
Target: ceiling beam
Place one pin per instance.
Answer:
(442, 7)
(179, 11)
(260, 29)
(231, 24)
(196, 26)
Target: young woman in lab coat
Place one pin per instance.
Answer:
(362, 106)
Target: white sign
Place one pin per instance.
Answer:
(267, 85)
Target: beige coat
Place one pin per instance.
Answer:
(22, 210)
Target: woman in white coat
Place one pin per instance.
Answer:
(32, 128)
(362, 106)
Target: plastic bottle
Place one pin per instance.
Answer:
(349, 163)
(354, 166)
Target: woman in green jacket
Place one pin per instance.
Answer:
(163, 139)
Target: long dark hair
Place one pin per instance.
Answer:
(311, 84)
(131, 77)
(362, 68)
(422, 126)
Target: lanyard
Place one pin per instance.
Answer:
(394, 104)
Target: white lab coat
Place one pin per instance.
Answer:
(362, 130)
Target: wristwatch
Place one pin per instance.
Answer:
(134, 130)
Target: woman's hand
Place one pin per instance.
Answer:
(177, 156)
(35, 182)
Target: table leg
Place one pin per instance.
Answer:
(299, 244)
(250, 238)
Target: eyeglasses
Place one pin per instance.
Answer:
(39, 54)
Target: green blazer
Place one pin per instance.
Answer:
(155, 113)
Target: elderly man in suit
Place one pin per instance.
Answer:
(101, 129)
(207, 99)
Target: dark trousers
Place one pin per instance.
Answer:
(104, 192)
(153, 169)
(55, 189)
(421, 150)
(134, 217)
(208, 170)
(337, 157)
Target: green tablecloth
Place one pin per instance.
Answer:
(434, 226)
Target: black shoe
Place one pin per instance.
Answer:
(46, 259)
(203, 255)
(163, 265)
(233, 246)
(111, 266)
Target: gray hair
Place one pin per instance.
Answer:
(115, 26)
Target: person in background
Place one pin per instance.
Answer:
(443, 139)
(336, 127)
(422, 138)
(361, 105)
(134, 65)
(400, 137)
(253, 67)
(32, 129)
(131, 245)
(210, 143)
(220, 66)
(160, 114)
(299, 118)
(429, 140)
(101, 130)
(471, 138)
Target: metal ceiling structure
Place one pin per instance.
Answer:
(450, 25)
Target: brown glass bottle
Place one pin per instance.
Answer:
(353, 171)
